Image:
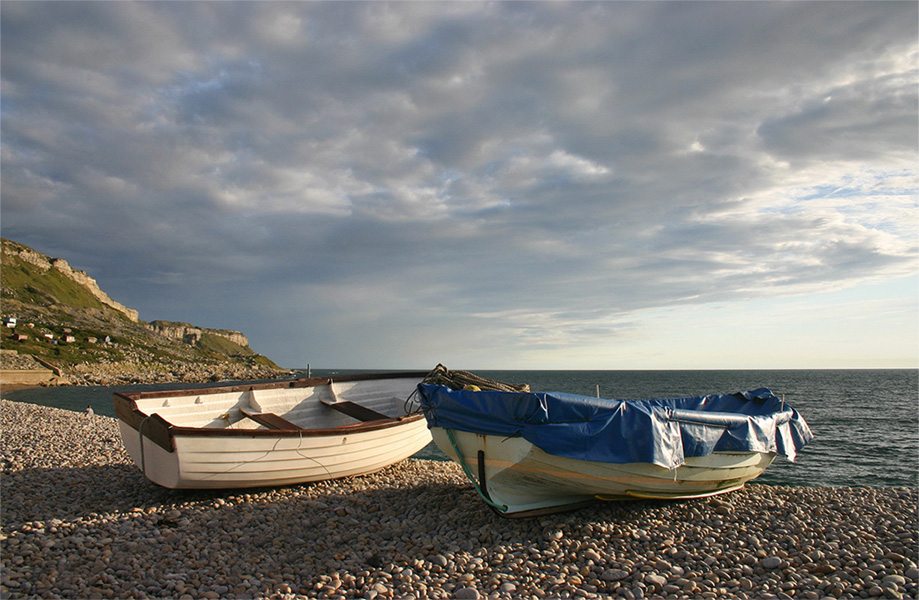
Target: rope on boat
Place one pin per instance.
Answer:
(459, 380)
(475, 483)
(299, 446)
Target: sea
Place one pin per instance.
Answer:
(865, 422)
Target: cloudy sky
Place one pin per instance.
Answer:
(488, 185)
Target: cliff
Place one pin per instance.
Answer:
(193, 335)
(44, 263)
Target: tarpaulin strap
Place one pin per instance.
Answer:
(475, 484)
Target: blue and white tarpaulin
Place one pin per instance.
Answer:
(661, 431)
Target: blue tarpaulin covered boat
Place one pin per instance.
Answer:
(542, 452)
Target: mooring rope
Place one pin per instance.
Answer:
(475, 483)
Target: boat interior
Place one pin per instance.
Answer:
(321, 406)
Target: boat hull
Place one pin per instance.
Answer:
(519, 479)
(202, 462)
(206, 438)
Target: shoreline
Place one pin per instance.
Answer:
(13, 387)
(81, 521)
(132, 372)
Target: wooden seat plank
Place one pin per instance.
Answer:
(356, 411)
(270, 420)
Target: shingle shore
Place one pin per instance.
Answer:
(80, 521)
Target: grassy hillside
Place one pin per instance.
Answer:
(62, 322)
(31, 285)
(222, 345)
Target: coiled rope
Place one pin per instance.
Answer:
(458, 380)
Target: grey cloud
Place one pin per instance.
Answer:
(467, 162)
(859, 121)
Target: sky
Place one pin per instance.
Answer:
(502, 185)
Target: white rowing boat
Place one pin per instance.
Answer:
(273, 433)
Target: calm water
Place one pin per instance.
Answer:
(865, 422)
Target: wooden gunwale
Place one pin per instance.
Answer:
(161, 432)
(270, 385)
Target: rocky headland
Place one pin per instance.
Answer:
(56, 317)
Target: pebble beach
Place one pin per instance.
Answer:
(80, 521)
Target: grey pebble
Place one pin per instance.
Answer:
(439, 560)
(772, 562)
(467, 593)
(591, 554)
(656, 581)
(614, 574)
